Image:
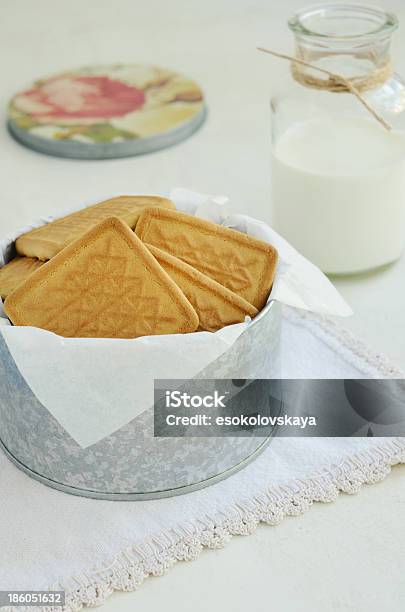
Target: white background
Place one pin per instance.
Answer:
(345, 557)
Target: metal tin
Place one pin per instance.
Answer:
(131, 463)
(109, 150)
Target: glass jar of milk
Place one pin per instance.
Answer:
(338, 175)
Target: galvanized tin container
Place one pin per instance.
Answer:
(131, 463)
(109, 150)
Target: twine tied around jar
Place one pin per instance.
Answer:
(338, 83)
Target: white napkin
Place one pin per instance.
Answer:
(91, 547)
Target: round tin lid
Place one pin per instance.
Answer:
(107, 111)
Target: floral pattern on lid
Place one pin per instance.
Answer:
(106, 104)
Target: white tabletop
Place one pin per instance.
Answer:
(214, 41)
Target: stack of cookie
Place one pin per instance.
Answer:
(134, 266)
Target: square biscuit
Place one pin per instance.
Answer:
(46, 241)
(215, 305)
(243, 264)
(106, 284)
(16, 272)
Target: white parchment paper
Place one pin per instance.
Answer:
(95, 386)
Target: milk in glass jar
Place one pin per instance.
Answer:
(338, 141)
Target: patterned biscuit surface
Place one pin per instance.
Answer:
(215, 305)
(106, 285)
(241, 263)
(16, 272)
(46, 241)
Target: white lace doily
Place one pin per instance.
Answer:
(91, 548)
